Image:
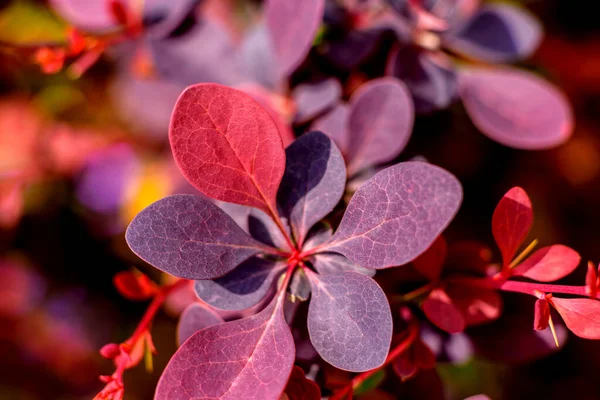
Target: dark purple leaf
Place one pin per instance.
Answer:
(397, 214)
(313, 99)
(313, 182)
(516, 108)
(497, 33)
(163, 17)
(189, 237)
(349, 321)
(431, 80)
(194, 318)
(248, 358)
(262, 228)
(293, 26)
(379, 124)
(320, 234)
(243, 287)
(335, 125)
(333, 263)
(352, 48)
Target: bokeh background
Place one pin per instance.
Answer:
(78, 161)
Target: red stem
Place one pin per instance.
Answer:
(531, 288)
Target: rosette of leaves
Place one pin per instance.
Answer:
(229, 148)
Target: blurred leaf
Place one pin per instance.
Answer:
(24, 22)
(370, 383)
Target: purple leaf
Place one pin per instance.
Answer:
(333, 263)
(189, 237)
(432, 82)
(516, 108)
(262, 228)
(313, 182)
(106, 178)
(349, 321)
(334, 124)
(397, 214)
(353, 48)
(248, 358)
(194, 318)
(241, 288)
(206, 53)
(313, 99)
(380, 123)
(257, 60)
(293, 26)
(497, 33)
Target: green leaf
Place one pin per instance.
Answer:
(28, 23)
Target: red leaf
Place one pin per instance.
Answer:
(442, 312)
(134, 285)
(477, 305)
(431, 262)
(301, 388)
(549, 264)
(591, 280)
(542, 315)
(417, 357)
(511, 222)
(227, 146)
(582, 316)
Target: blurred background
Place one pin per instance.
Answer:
(83, 149)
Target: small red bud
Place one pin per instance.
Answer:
(542, 315)
(135, 285)
(591, 280)
(110, 350)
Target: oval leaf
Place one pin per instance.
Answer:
(440, 310)
(243, 287)
(516, 108)
(380, 123)
(511, 222)
(582, 316)
(189, 237)
(293, 26)
(397, 214)
(227, 146)
(497, 33)
(349, 321)
(313, 183)
(301, 388)
(252, 358)
(334, 124)
(195, 317)
(549, 264)
(314, 99)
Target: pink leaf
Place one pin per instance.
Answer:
(549, 264)
(252, 358)
(516, 108)
(442, 312)
(511, 222)
(582, 316)
(227, 146)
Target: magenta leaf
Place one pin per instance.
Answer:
(549, 264)
(335, 125)
(251, 357)
(333, 263)
(442, 312)
(349, 321)
(379, 124)
(293, 26)
(195, 317)
(582, 316)
(227, 146)
(497, 33)
(313, 99)
(243, 287)
(189, 237)
(516, 108)
(313, 183)
(91, 15)
(397, 214)
(432, 84)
